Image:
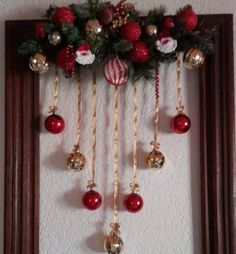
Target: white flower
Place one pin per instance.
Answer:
(84, 55)
(166, 45)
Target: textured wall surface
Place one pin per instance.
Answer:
(169, 222)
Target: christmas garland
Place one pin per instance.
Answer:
(88, 34)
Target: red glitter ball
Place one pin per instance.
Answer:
(168, 23)
(39, 30)
(189, 17)
(54, 124)
(180, 124)
(133, 202)
(139, 52)
(131, 31)
(92, 200)
(164, 34)
(63, 15)
(66, 60)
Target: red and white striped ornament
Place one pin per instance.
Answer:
(116, 72)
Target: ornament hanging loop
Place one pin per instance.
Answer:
(155, 145)
(180, 107)
(91, 185)
(53, 107)
(134, 185)
(115, 227)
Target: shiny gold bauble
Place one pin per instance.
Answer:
(38, 63)
(113, 244)
(93, 26)
(151, 30)
(155, 159)
(193, 58)
(54, 38)
(76, 160)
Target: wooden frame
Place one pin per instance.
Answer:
(216, 133)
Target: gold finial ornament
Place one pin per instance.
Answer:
(193, 58)
(155, 159)
(76, 160)
(113, 244)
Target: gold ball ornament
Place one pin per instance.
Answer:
(38, 63)
(193, 58)
(113, 244)
(54, 38)
(93, 26)
(151, 30)
(155, 159)
(44, 68)
(76, 160)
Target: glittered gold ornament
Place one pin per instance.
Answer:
(151, 30)
(155, 159)
(113, 244)
(38, 63)
(76, 160)
(93, 27)
(193, 58)
(54, 38)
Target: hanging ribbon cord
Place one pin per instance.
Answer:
(180, 106)
(115, 225)
(155, 143)
(91, 183)
(78, 115)
(53, 107)
(134, 185)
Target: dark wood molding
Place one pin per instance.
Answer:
(21, 147)
(217, 141)
(218, 170)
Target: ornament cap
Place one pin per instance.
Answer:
(91, 185)
(180, 109)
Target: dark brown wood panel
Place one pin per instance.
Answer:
(217, 140)
(218, 171)
(21, 147)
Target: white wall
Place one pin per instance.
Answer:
(166, 224)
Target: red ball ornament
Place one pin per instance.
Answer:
(54, 124)
(39, 30)
(63, 15)
(116, 72)
(168, 23)
(133, 202)
(189, 17)
(164, 34)
(139, 52)
(92, 200)
(180, 123)
(66, 59)
(131, 31)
